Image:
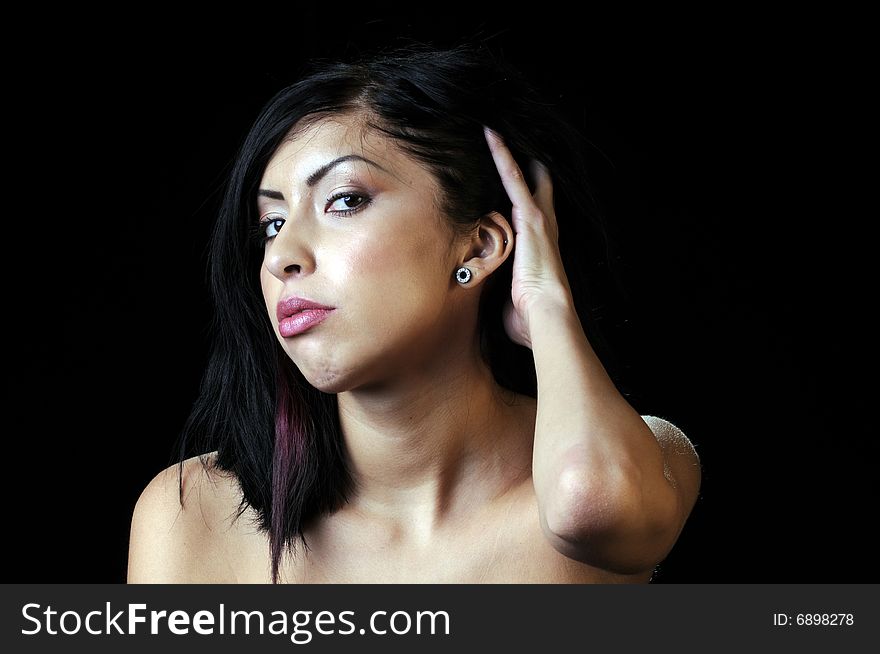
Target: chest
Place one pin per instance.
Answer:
(501, 545)
(490, 560)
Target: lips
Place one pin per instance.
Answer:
(296, 315)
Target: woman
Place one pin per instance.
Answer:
(391, 298)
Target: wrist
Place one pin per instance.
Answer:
(553, 303)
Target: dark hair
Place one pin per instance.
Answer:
(279, 435)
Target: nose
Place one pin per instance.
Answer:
(290, 252)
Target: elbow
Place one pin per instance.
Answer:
(613, 521)
(582, 505)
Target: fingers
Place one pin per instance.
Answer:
(511, 176)
(543, 186)
(514, 181)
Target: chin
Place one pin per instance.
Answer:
(326, 379)
(346, 368)
(332, 379)
(330, 385)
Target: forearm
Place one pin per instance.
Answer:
(597, 466)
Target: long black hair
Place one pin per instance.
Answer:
(280, 436)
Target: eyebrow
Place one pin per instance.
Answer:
(319, 174)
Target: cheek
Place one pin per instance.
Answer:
(272, 289)
(396, 284)
(389, 266)
(270, 285)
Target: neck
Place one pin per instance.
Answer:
(414, 441)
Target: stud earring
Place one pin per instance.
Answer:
(462, 275)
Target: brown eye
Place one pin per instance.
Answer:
(272, 226)
(347, 203)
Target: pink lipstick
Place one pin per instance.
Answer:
(296, 315)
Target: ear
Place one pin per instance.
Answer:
(489, 247)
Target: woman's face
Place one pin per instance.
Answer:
(365, 239)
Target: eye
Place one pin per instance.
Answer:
(348, 202)
(268, 227)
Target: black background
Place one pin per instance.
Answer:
(726, 159)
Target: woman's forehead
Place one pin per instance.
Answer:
(308, 147)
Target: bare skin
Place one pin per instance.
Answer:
(500, 542)
(458, 479)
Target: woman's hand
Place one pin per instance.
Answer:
(539, 278)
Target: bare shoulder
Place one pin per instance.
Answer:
(682, 463)
(171, 530)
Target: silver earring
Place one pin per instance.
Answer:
(462, 275)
